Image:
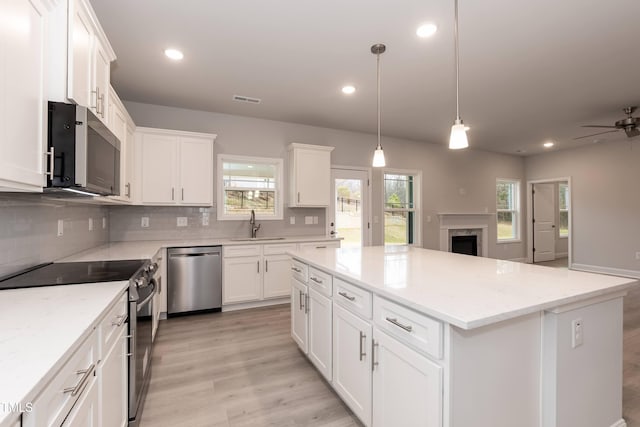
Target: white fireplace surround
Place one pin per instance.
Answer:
(465, 224)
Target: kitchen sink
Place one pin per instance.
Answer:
(253, 239)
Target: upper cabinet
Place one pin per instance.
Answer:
(23, 99)
(175, 167)
(122, 126)
(309, 175)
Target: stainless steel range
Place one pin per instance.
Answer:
(142, 288)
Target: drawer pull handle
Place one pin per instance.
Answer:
(297, 270)
(363, 337)
(86, 373)
(321, 247)
(122, 318)
(350, 298)
(393, 320)
(300, 299)
(316, 280)
(306, 303)
(374, 363)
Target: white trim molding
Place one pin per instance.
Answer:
(634, 274)
(620, 423)
(464, 221)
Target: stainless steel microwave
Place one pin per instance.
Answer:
(84, 155)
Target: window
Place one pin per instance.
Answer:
(563, 203)
(401, 208)
(508, 210)
(249, 183)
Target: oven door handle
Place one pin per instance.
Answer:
(151, 295)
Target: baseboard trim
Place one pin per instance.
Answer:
(256, 304)
(634, 274)
(620, 423)
(562, 255)
(517, 259)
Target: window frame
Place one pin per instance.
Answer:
(515, 211)
(279, 196)
(417, 203)
(560, 210)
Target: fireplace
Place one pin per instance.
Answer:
(467, 245)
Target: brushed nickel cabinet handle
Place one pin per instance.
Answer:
(52, 161)
(86, 373)
(363, 337)
(183, 194)
(318, 281)
(298, 197)
(266, 265)
(122, 318)
(300, 299)
(173, 192)
(258, 263)
(374, 363)
(344, 294)
(393, 320)
(306, 303)
(297, 270)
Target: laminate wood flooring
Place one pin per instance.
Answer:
(237, 369)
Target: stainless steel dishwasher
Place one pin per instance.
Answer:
(194, 282)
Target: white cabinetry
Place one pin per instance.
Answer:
(299, 318)
(176, 167)
(277, 269)
(85, 411)
(309, 175)
(121, 124)
(241, 280)
(320, 345)
(23, 100)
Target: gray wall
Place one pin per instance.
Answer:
(605, 200)
(452, 181)
(29, 226)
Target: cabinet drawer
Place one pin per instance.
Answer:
(51, 407)
(320, 245)
(112, 324)
(410, 327)
(241, 250)
(321, 281)
(279, 249)
(299, 270)
(352, 297)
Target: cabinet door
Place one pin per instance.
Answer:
(320, 330)
(407, 387)
(313, 177)
(277, 276)
(79, 56)
(118, 125)
(352, 362)
(101, 75)
(129, 159)
(23, 118)
(196, 171)
(158, 169)
(112, 375)
(85, 411)
(242, 280)
(299, 318)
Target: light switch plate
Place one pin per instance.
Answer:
(104, 223)
(205, 218)
(292, 220)
(60, 227)
(90, 224)
(577, 333)
(144, 222)
(182, 221)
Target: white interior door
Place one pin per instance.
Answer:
(348, 215)
(544, 228)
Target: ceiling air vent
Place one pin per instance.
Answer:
(241, 98)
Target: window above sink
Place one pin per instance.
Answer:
(249, 183)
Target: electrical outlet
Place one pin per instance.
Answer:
(308, 220)
(90, 224)
(104, 223)
(205, 218)
(182, 221)
(144, 222)
(577, 333)
(292, 220)
(60, 227)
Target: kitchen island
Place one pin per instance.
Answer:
(409, 336)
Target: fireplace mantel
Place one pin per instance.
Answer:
(463, 221)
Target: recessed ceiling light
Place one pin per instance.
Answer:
(548, 144)
(174, 54)
(348, 90)
(426, 30)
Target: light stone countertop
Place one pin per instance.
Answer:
(465, 291)
(39, 329)
(146, 249)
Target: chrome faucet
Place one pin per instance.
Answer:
(252, 224)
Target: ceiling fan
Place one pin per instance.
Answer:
(631, 125)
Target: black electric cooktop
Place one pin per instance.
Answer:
(70, 273)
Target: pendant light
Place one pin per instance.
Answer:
(458, 138)
(378, 155)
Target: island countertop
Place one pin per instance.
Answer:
(465, 291)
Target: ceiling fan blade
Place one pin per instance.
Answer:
(595, 134)
(598, 126)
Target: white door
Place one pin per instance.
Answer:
(158, 168)
(241, 280)
(85, 410)
(407, 387)
(349, 209)
(112, 374)
(196, 171)
(277, 276)
(544, 228)
(101, 76)
(311, 175)
(320, 344)
(352, 362)
(299, 318)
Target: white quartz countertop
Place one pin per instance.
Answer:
(465, 291)
(146, 249)
(39, 329)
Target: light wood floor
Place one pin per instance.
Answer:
(237, 369)
(243, 369)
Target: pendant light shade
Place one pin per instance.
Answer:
(378, 155)
(458, 138)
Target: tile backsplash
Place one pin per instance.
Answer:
(29, 230)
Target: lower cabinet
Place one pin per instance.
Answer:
(242, 281)
(299, 318)
(276, 276)
(112, 374)
(352, 362)
(85, 411)
(320, 345)
(407, 387)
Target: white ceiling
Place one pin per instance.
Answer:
(530, 70)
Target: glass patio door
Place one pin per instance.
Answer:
(349, 210)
